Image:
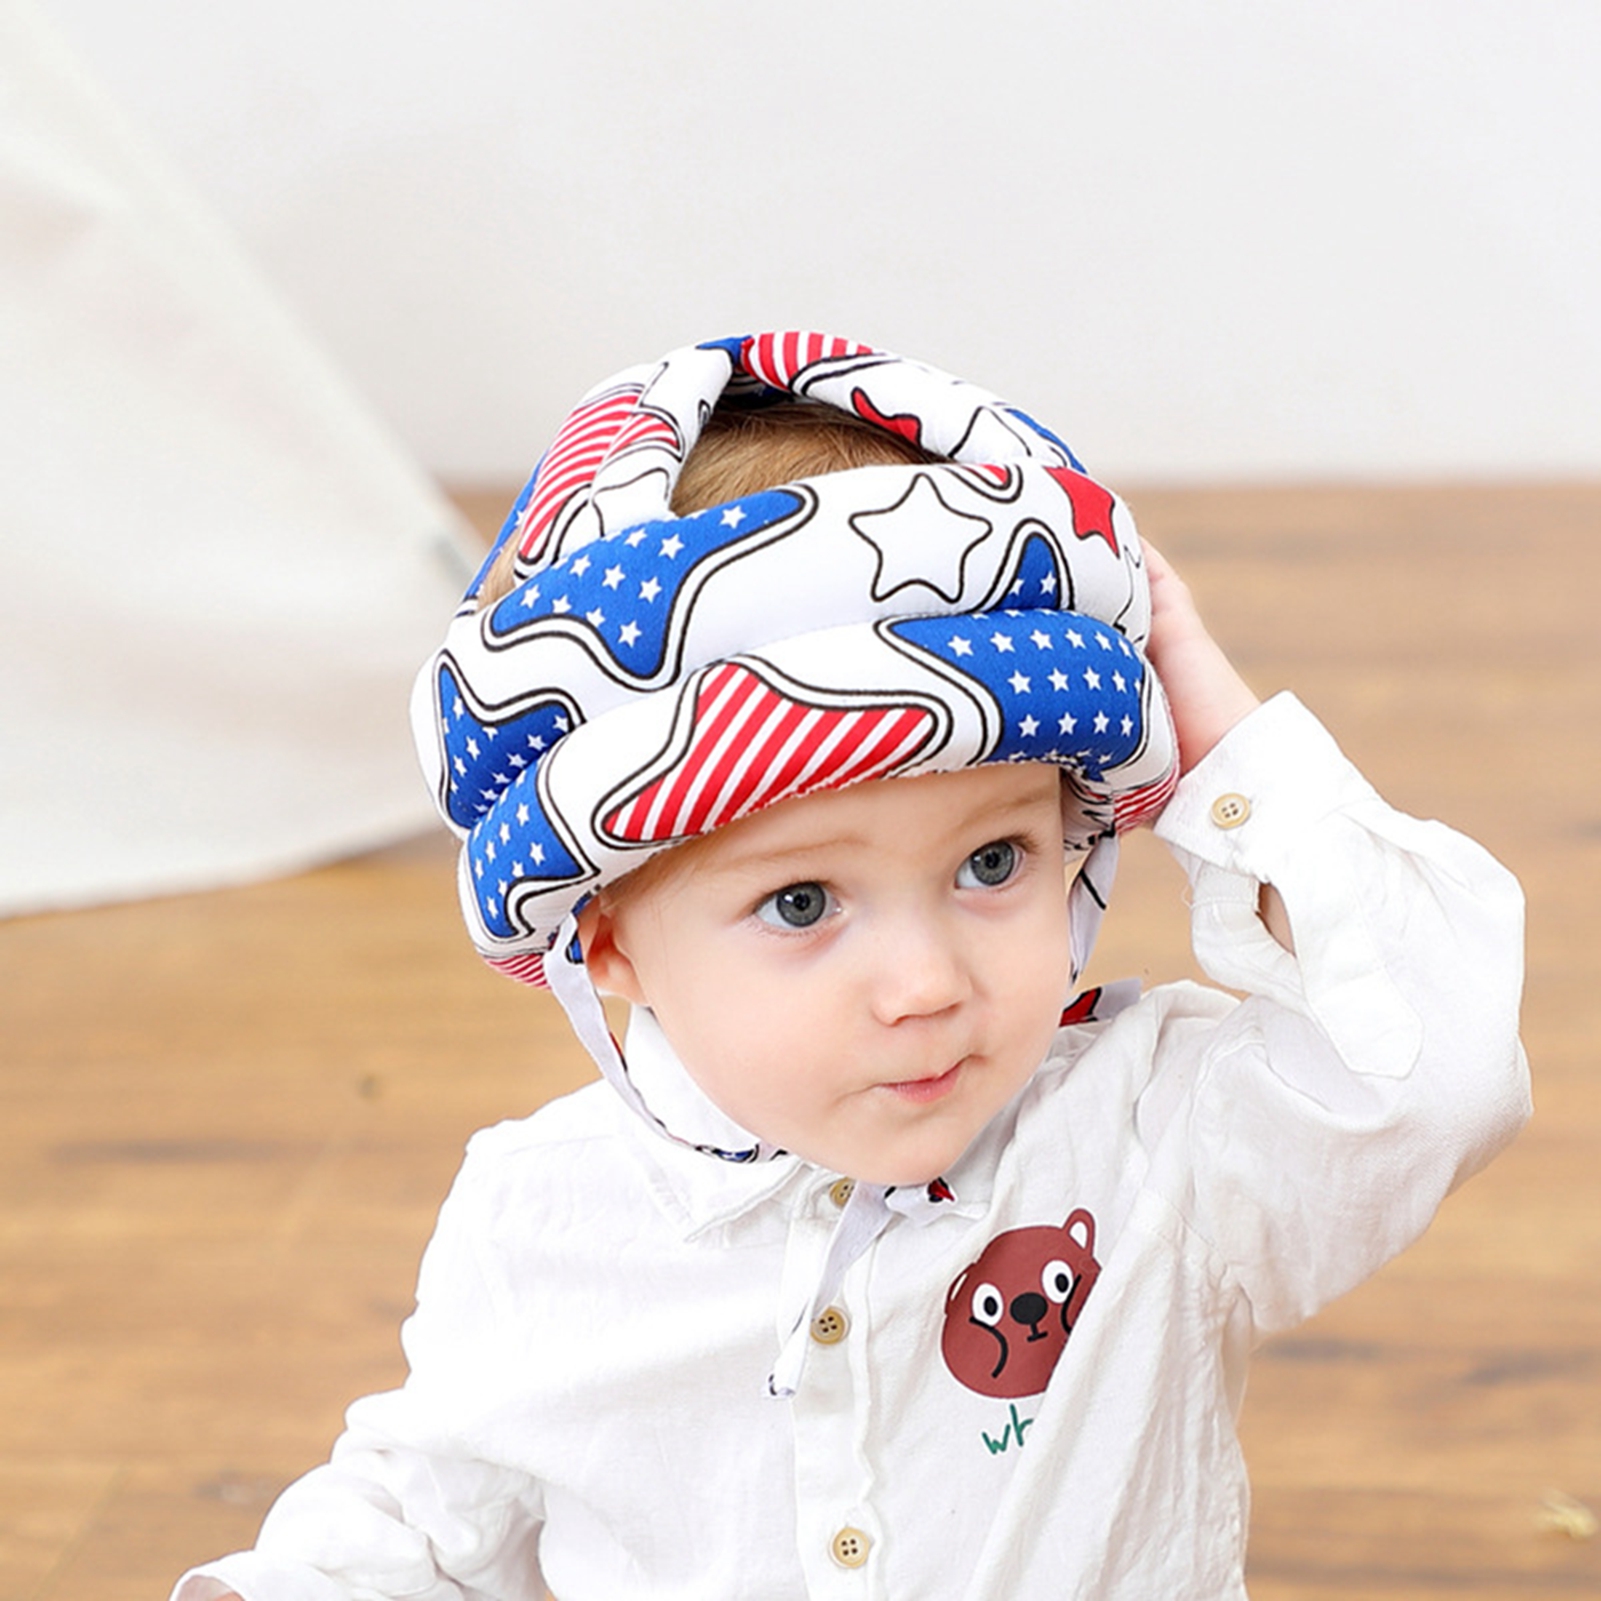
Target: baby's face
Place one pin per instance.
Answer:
(865, 976)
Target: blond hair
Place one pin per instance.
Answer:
(740, 452)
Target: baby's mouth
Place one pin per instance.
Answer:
(927, 1089)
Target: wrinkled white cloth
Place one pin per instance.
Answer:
(214, 562)
(600, 1307)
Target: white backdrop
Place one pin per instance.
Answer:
(1242, 238)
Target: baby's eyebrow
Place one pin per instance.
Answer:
(791, 859)
(804, 858)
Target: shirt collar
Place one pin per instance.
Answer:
(697, 1189)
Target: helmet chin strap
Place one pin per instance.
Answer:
(1086, 900)
(569, 981)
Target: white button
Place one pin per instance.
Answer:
(1229, 811)
(840, 1191)
(849, 1548)
(830, 1326)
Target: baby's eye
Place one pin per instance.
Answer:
(989, 865)
(795, 906)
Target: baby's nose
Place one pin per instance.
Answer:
(923, 972)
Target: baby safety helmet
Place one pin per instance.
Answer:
(651, 677)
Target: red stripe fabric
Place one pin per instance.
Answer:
(1140, 805)
(571, 461)
(752, 746)
(779, 358)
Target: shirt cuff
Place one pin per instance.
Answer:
(1248, 802)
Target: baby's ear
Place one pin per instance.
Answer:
(610, 970)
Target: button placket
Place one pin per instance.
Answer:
(833, 1483)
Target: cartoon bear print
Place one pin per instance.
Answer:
(1008, 1315)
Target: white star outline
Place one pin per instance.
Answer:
(920, 541)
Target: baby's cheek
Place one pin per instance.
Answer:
(1049, 992)
(1046, 957)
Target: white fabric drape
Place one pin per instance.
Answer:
(217, 572)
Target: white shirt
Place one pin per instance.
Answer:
(600, 1308)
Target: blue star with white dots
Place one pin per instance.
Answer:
(623, 588)
(516, 843)
(483, 758)
(1065, 688)
(1039, 578)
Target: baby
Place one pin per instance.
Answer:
(801, 705)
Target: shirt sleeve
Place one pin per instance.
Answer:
(1374, 1069)
(407, 1505)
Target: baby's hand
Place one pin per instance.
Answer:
(1207, 696)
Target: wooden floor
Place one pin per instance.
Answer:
(227, 1120)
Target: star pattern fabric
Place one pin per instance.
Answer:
(1062, 688)
(485, 755)
(623, 589)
